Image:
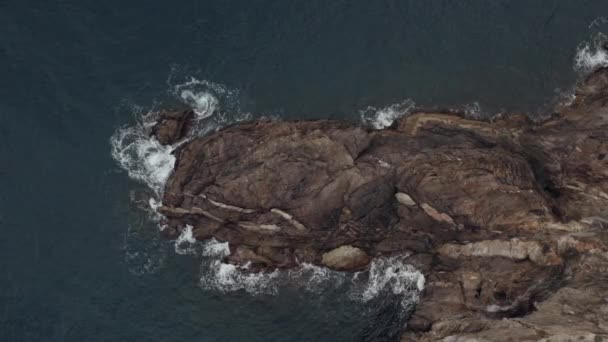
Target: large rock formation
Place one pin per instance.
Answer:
(505, 218)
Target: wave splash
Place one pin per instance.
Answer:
(390, 275)
(591, 55)
(143, 157)
(380, 118)
(216, 275)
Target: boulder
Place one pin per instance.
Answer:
(405, 199)
(345, 258)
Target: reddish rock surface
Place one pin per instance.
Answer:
(506, 219)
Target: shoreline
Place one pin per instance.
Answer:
(501, 216)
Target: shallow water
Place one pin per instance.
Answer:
(80, 258)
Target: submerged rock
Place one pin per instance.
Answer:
(505, 218)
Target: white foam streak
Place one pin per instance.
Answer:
(384, 117)
(598, 22)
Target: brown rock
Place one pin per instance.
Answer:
(405, 199)
(172, 126)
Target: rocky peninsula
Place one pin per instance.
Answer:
(506, 218)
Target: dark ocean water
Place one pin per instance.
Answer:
(79, 261)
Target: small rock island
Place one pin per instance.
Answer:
(506, 218)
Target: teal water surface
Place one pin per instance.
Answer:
(81, 261)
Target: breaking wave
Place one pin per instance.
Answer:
(217, 275)
(228, 278)
(473, 111)
(591, 55)
(380, 118)
(391, 276)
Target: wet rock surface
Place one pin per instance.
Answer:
(506, 219)
(173, 126)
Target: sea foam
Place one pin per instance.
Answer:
(217, 275)
(185, 242)
(380, 118)
(391, 275)
(142, 156)
(385, 276)
(205, 97)
(228, 278)
(204, 103)
(151, 163)
(592, 55)
(315, 278)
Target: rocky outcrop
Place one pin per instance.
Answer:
(505, 218)
(172, 126)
